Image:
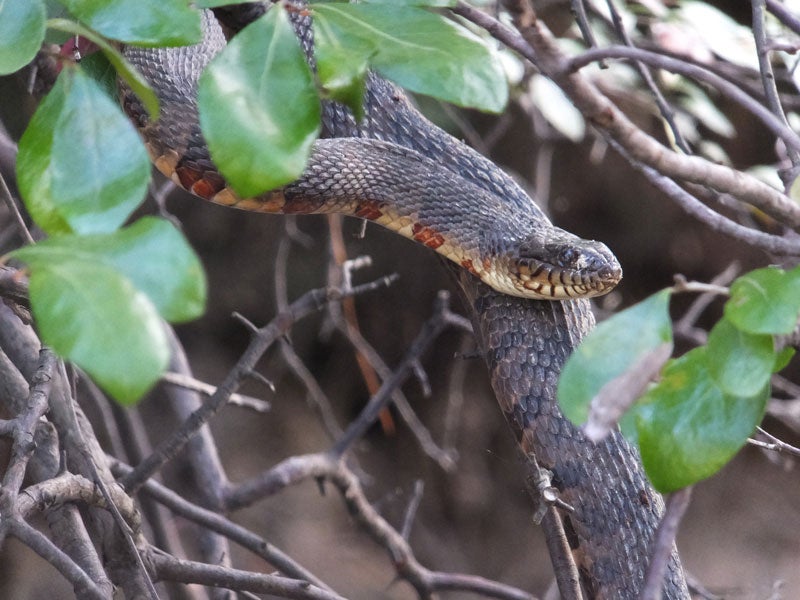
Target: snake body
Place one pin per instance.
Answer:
(525, 341)
(512, 248)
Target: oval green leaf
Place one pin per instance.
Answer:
(765, 301)
(419, 50)
(741, 363)
(259, 108)
(688, 428)
(21, 33)
(613, 347)
(81, 166)
(92, 315)
(140, 22)
(152, 254)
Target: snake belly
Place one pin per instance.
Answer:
(525, 342)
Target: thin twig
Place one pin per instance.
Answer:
(169, 568)
(441, 319)
(767, 75)
(11, 204)
(784, 15)
(578, 9)
(262, 339)
(663, 106)
(190, 383)
(411, 510)
(779, 128)
(774, 444)
(84, 586)
(664, 543)
(224, 526)
(784, 246)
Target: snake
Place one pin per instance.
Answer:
(526, 283)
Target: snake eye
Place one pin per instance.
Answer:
(567, 257)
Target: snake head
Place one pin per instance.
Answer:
(565, 266)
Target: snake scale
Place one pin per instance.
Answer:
(402, 155)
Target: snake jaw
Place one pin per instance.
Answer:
(564, 267)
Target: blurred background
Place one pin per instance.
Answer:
(740, 537)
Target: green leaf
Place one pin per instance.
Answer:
(140, 22)
(81, 166)
(215, 3)
(93, 316)
(765, 301)
(176, 286)
(124, 69)
(433, 3)
(614, 346)
(688, 428)
(419, 50)
(342, 65)
(21, 33)
(782, 359)
(259, 108)
(741, 363)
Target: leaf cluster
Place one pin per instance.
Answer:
(706, 403)
(99, 290)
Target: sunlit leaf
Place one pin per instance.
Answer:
(688, 428)
(93, 316)
(258, 106)
(21, 33)
(765, 301)
(176, 286)
(612, 348)
(81, 165)
(741, 363)
(419, 50)
(141, 22)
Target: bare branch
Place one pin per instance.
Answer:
(767, 75)
(224, 526)
(169, 568)
(84, 586)
(784, 15)
(263, 338)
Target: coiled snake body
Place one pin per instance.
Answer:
(396, 168)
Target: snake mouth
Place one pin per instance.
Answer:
(584, 270)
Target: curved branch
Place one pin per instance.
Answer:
(775, 124)
(540, 48)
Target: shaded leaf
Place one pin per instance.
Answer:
(21, 33)
(612, 348)
(741, 363)
(140, 22)
(765, 301)
(81, 165)
(688, 428)
(259, 108)
(419, 50)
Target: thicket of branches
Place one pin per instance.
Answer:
(87, 484)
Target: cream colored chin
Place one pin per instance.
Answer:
(538, 290)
